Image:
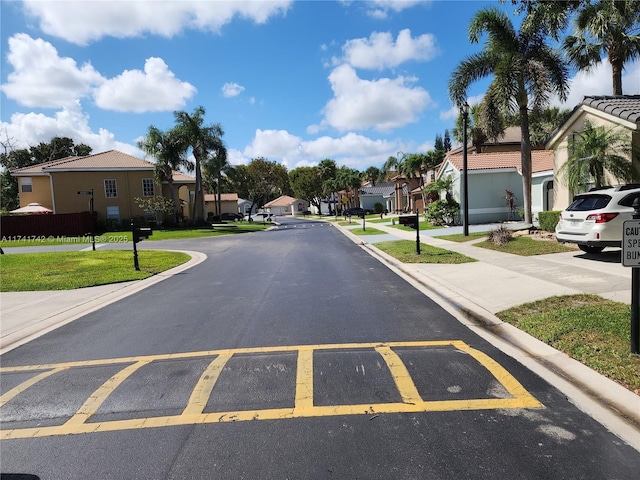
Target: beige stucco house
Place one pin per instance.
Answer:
(621, 112)
(115, 178)
(286, 205)
(228, 203)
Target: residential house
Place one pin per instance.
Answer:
(491, 175)
(383, 194)
(114, 177)
(621, 112)
(286, 205)
(228, 203)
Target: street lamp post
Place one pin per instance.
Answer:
(465, 173)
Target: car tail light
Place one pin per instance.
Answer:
(602, 217)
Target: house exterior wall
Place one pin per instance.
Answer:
(226, 207)
(128, 186)
(562, 196)
(487, 191)
(368, 201)
(40, 192)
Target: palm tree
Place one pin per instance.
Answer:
(526, 72)
(372, 175)
(168, 148)
(609, 27)
(391, 165)
(327, 170)
(202, 140)
(215, 165)
(595, 152)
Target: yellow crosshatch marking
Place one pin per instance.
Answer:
(193, 412)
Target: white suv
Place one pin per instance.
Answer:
(594, 219)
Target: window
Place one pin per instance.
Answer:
(26, 185)
(110, 190)
(113, 213)
(147, 187)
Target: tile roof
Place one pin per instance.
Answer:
(282, 201)
(382, 189)
(542, 160)
(626, 107)
(109, 160)
(225, 197)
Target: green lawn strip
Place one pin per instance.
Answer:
(379, 220)
(592, 330)
(368, 231)
(124, 237)
(405, 251)
(70, 270)
(526, 246)
(424, 225)
(460, 238)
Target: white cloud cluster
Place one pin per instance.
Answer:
(231, 90)
(383, 104)
(88, 21)
(379, 51)
(42, 79)
(380, 8)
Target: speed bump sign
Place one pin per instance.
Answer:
(631, 243)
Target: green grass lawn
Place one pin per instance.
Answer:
(593, 330)
(526, 246)
(405, 251)
(125, 237)
(70, 270)
(368, 231)
(424, 225)
(460, 238)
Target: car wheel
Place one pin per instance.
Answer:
(588, 249)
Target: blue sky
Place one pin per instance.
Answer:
(291, 81)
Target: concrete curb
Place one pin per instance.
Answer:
(23, 333)
(616, 399)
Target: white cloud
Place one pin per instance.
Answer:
(382, 104)
(379, 51)
(232, 90)
(84, 22)
(599, 82)
(27, 129)
(379, 9)
(294, 152)
(155, 89)
(41, 78)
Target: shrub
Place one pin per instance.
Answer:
(548, 220)
(378, 207)
(442, 212)
(500, 236)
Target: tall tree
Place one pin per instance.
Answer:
(215, 167)
(594, 152)
(526, 72)
(266, 181)
(608, 27)
(447, 141)
(307, 184)
(328, 169)
(202, 139)
(372, 174)
(168, 148)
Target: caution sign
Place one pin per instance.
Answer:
(631, 243)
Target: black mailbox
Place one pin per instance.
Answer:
(409, 221)
(140, 233)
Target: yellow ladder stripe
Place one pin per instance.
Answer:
(202, 391)
(401, 376)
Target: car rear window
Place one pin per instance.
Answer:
(589, 202)
(628, 200)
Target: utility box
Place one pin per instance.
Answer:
(140, 233)
(409, 221)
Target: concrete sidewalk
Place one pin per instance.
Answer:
(472, 292)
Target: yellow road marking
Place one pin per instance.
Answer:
(203, 388)
(26, 384)
(98, 397)
(304, 408)
(401, 376)
(304, 381)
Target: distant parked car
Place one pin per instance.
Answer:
(357, 212)
(594, 220)
(259, 217)
(230, 216)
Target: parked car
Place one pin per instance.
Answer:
(356, 212)
(594, 220)
(230, 216)
(259, 217)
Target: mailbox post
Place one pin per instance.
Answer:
(631, 258)
(137, 235)
(93, 220)
(412, 221)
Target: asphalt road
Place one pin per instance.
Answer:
(292, 354)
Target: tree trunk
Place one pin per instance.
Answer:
(526, 164)
(616, 73)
